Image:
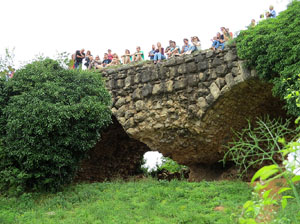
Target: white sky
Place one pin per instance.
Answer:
(49, 26)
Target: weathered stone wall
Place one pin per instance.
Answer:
(186, 107)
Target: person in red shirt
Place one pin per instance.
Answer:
(109, 55)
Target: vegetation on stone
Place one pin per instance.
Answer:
(49, 118)
(273, 49)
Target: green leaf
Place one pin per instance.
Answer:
(284, 189)
(295, 179)
(287, 197)
(283, 203)
(265, 172)
(266, 194)
(248, 204)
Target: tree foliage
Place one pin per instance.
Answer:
(49, 118)
(273, 49)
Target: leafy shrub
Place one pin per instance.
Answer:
(273, 49)
(170, 165)
(49, 118)
(256, 146)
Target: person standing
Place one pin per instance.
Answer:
(88, 59)
(79, 56)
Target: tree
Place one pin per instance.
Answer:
(50, 118)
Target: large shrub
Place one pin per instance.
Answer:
(273, 49)
(49, 118)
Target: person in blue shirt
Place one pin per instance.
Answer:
(272, 13)
(174, 51)
(186, 46)
(152, 52)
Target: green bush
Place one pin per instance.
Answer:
(170, 165)
(273, 49)
(49, 118)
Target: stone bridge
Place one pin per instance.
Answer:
(186, 107)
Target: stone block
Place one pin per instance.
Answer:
(111, 84)
(154, 75)
(220, 82)
(137, 78)
(244, 71)
(179, 60)
(202, 66)
(202, 76)
(162, 72)
(146, 90)
(209, 99)
(235, 71)
(216, 62)
(201, 102)
(137, 94)
(180, 84)
(170, 62)
(158, 126)
(173, 72)
(193, 80)
(200, 58)
(140, 105)
(145, 77)
(209, 54)
(229, 80)
(188, 58)
(230, 56)
(129, 123)
(139, 117)
(191, 67)
(169, 86)
(129, 114)
(121, 75)
(128, 81)
(120, 83)
(182, 69)
(121, 111)
(214, 90)
(221, 69)
(157, 89)
(120, 102)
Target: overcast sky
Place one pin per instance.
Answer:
(49, 26)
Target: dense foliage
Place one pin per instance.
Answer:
(273, 49)
(49, 118)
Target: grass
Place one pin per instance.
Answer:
(291, 214)
(146, 201)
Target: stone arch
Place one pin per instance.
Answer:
(186, 107)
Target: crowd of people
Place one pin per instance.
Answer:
(268, 14)
(157, 53)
